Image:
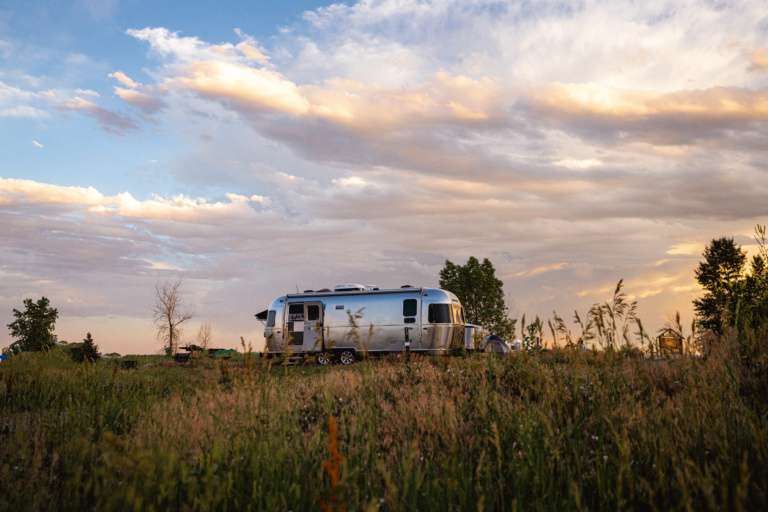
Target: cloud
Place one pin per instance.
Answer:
(443, 99)
(575, 163)
(216, 73)
(252, 53)
(37, 144)
(443, 116)
(686, 288)
(350, 182)
(686, 249)
(759, 60)
(16, 102)
(532, 143)
(16, 191)
(178, 208)
(678, 117)
(8, 93)
(124, 79)
(646, 285)
(339, 119)
(19, 103)
(143, 101)
(167, 44)
(161, 265)
(23, 111)
(251, 49)
(253, 89)
(541, 269)
(137, 94)
(87, 92)
(109, 120)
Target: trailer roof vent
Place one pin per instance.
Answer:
(349, 287)
(309, 291)
(407, 286)
(321, 290)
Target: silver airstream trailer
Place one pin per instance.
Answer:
(352, 320)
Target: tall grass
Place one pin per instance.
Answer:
(549, 430)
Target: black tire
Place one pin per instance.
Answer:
(324, 358)
(347, 357)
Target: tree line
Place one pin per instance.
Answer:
(735, 297)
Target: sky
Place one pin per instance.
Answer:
(256, 148)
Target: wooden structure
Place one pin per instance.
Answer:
(670, 343)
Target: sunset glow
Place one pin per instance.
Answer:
(259, 149)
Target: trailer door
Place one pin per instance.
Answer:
(294, 326)
(412, 325)
(313, 326)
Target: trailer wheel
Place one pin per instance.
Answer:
(347, 357)
(324, 358)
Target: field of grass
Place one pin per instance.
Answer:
(557, 430)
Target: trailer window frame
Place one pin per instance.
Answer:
(410, 307)
(271, 316)
(439, 313)
(296, 312)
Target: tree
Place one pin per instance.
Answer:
(719, 274)
(751, 309)
(87, 351)
(33, 328)
(203, 339)
(204, 335)
(90, 349)
(481, 294)
(168, 315)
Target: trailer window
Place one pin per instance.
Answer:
(439, 313)
(271, 318)
(296, 312)
(409, 307)
(313, 312)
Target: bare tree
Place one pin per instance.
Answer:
(204, 334)
(168, 314)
